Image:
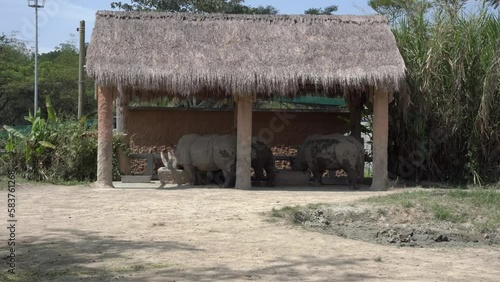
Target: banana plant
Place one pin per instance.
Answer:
(38, 139)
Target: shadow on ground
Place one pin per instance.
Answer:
(76, 255)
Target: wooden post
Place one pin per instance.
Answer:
(380, 139)
(235, 121)
(244, 145)
(122, 100)
(81, 80)
(105, 136)
(355, 107)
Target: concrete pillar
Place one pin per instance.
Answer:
(380, 139)
(355, 107)
(244, 147)
(105, 136)
(235, 121)
(122, 100)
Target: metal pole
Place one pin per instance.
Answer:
(36, 57)
(81, 85)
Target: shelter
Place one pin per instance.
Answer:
(245, 57)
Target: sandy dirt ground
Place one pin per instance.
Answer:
(209, 234)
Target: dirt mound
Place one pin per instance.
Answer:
(388, 227)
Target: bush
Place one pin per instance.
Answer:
(55, 150)
(75, 157)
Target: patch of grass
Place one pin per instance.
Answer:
(378, 259)
(382, 212)
(479, 207)
(78, 273)
(141, 267)
(446, 213)
(475, 209)
(407, 204)
(70, 182)
(271, 219)
(8, 277)
(477, 197)
(316, 206)
(399, 198)
(30, 274)
(295, 214)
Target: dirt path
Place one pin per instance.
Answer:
(65, 233)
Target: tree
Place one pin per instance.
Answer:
(16, 80)
(58, 78)
(322, 11)
(394, 9)
(194, 6)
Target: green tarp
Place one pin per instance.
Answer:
(314, 100)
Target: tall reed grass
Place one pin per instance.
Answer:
(449, 129)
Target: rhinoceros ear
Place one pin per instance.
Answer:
(170, 155)
(164, 158)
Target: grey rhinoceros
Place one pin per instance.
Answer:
(263, 160)
(331, 152)
(201, 154)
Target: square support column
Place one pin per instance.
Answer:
(355, 103)
(380, 139)
(104, 136)
(244, 139)
(122, 100)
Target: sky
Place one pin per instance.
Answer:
(59, 19)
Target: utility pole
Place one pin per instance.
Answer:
(81, 81)
(37, 4)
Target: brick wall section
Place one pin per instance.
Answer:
(163, 126)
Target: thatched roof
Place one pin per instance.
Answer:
(184, 54)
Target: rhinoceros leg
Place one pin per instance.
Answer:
(229, 179)
(316, 172)
(191, 171)
(317, 178)
(271, 175)
(259, 175)
(352, 175)
(201, 177)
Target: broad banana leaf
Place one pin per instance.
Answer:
(14, 132)
(47, 144)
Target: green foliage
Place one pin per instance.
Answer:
(36, 142)
(55, 150)
(322, 11)
(450, 130)
(445, 213)
(58, 78)
(479, 207)
(118, 144)
(16, 80)
(397, 9)
(194, 6)
(75, 157)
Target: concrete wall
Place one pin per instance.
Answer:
(165, 126)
